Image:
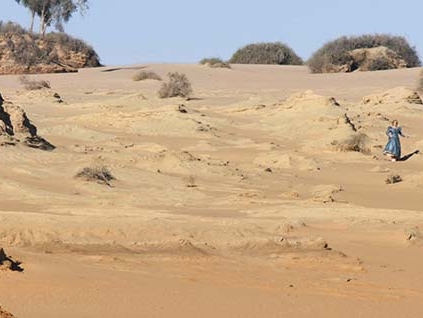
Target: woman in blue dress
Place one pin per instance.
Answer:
(393, 147)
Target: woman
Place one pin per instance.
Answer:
(393, 147)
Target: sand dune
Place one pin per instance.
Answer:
(264, 194)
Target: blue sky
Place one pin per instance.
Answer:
(133, 31)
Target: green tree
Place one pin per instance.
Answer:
(32, 7)
(53, 11)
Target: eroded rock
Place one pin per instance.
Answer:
(15, 128)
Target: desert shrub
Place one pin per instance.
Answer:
(11, 28)
(379, 64)
(357, 143)
(178, 85)
(144, 75)
(31, 85)
(29, 50)
(393, 178)
(68, 43)
(100, 174)
(336, 52)
(420, 83)
(266, 53)
(215, 62)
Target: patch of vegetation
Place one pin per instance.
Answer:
(420, 83)
(99, 174)
(356, 143)
(178, 85)
(336, 52)
(29, 50)
(215, 62)
(145, 75)
(11, 28)
(266, 53)
(379, 64)
(393, 178)
(31, 85)
(68, 43)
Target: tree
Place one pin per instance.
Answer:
(53, 11)
(32, 6)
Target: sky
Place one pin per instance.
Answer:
(129, 32)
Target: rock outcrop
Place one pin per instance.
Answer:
(15, 128)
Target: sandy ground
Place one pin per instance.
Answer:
(241, 205)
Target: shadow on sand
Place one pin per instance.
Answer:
(406, 157)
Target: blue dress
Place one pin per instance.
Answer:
(393, 147)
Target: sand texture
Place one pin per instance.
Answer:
(266, 194)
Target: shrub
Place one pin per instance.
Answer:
(336, 52)
(266, 53)
(214, 62)
(31, 85)
(11, 28)
(379, 64)
(99, 174)
(71, 44)
(28, 51)
(420, 83)
(357, 143)
(144, 75)
(393, 178)
(178, 85)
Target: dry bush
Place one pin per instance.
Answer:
(11, 28)
(266, 53)
(336, 52)
(215, 62)
(379, 64)
(30, 49)
(420, 83)
(393, 178)
(177, 86)
(100, 174)
(70, 44)
(32, 85)
(357, 143)
(144, 75)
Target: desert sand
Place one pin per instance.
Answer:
(239, 202)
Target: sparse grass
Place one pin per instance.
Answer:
(336, 52)
(215, 62)
(100, 174)
(32, 85)
(266, 53)
(393, 178)
(356, 143)
(177, 86)
(145, 75)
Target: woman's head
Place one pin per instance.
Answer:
(395, 123)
